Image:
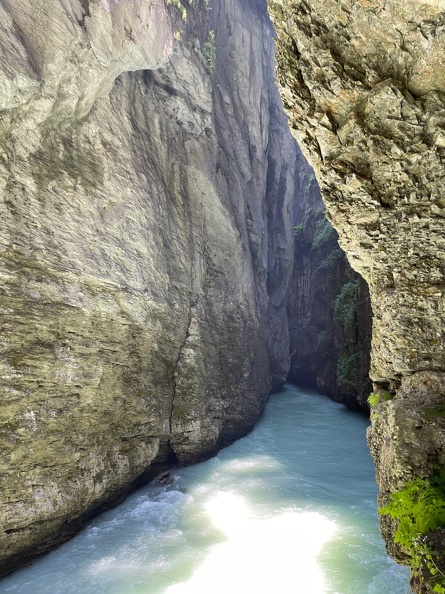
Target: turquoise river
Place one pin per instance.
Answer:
(289, 509)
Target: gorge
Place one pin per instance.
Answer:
(164, 248)
(363, 84)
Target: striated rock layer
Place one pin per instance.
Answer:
(145, 201)
(363, 82)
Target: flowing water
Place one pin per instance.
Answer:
(289, 509)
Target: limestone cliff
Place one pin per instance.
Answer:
(146, 176)
(329, 309)
(363, 82)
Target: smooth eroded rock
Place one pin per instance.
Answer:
(136, 249)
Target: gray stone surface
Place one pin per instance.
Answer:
(363, 84)
(145, 225)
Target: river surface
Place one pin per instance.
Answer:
(289, 509)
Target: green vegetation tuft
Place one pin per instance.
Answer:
(345, 305)
(347, 371)
(208, 52)
(376, 397)
(297, 230)
(332, 260)
(435, 412)
(324, 342)
(178, 4)
(420, 510)
(324, 232)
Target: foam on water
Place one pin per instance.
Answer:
(290, 508)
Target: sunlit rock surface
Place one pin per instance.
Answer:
(146, 248)
(363, 84)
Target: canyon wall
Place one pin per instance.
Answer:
(330, 318)
(146, 182)
(363, 83)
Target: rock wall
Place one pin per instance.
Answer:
(329, 309)
(145, 247)
(408, 440)
(363, 82)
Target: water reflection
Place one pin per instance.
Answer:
(276, 554)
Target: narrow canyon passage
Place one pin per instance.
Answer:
(167, 261)
(289, 508)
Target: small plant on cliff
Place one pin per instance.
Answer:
(376, 397)
(420, 510)
(208, 52)
(347, 372)
(178, 4)
(297, 230)
(345, 305)
(335, 257)
(324, 232)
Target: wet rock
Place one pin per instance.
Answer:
(165, 478)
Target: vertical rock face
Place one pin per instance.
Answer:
(145, 224)
(363, 82)
(408, 439)
(329, 308)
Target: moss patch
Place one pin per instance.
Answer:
(347, 371)
(345, 306)
(435, 412)
(324, 232)
(377, 397)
